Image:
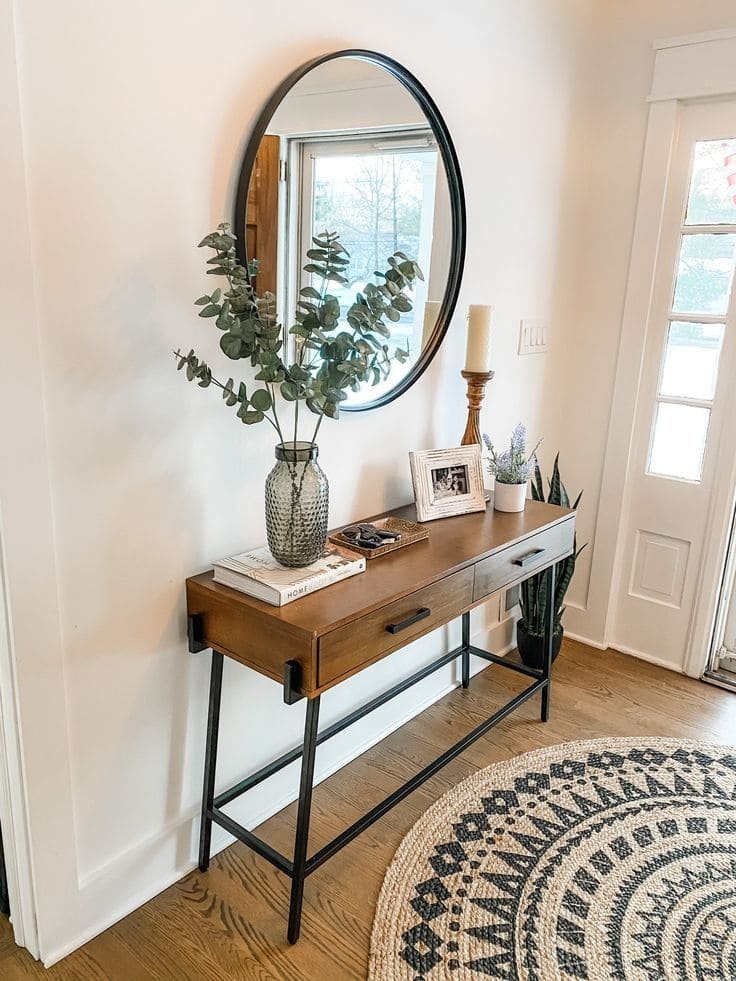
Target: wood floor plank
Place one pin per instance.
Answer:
(230, 922)
(7, 941)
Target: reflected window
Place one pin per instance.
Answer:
(378, 192)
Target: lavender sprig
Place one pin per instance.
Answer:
(514, 465)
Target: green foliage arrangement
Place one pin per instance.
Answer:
(534, 595)
(331, 358)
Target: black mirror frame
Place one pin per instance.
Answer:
(454, 182)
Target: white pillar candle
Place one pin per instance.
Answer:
(478, 351)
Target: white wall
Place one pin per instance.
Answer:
(118, 479)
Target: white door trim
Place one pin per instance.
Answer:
(13, 803)
(713, 565)
(605, 572)
(685, 69)
(695, 68)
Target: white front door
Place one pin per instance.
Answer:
(685, 420)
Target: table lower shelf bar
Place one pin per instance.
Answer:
(511, 665)
(325, 853)
(344, 838)
(293, 755)
(251, 840)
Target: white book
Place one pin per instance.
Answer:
(258, 574)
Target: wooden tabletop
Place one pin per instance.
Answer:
(453, 544)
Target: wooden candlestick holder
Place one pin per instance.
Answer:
(477, 381)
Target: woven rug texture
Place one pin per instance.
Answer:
(608, 860)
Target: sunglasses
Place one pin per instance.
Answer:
(368, 536)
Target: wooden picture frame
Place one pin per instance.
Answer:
(447, 482)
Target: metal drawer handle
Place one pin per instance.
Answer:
(394, 628)
(529, 557)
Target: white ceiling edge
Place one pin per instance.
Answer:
(685, 39)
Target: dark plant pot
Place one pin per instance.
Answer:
(531, 646)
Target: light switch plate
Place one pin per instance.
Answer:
(533, 336)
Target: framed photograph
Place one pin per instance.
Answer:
(447, 482)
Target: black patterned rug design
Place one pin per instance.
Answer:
(607, 859)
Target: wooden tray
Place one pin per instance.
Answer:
(410, 532)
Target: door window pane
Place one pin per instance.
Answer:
(704, 274)
(691, 360)
(712, 198)
(678, 446)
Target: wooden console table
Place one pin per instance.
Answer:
(316, 642)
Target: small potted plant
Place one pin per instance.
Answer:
(512, 469)
(533, 594)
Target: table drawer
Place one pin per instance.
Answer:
(355, 645)
(518, 560)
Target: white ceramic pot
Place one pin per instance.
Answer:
(509, 497)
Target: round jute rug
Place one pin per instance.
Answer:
(607, 859)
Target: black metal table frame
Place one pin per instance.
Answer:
(301, 865)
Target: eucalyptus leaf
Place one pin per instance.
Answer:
(231, 345)
(298, 373)
(261, 400)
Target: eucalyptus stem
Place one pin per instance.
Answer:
(276, 417)
(316, 428)
(218, 384)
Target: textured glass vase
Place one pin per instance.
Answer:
(297, 498)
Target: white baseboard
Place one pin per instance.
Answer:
(221, 839)
(586, 640)
(650, 658)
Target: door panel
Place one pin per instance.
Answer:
(689, 357)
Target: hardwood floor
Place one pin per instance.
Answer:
(230, 923)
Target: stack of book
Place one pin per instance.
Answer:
(258, 574)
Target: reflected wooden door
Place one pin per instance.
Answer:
(262, 211)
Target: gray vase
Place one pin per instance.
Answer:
(297, 499)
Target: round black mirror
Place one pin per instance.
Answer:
(351, 143)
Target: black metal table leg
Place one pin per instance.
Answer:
(302, 821)
(465, 642)
(549, 628)
(210, 760)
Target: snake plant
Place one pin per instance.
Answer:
(534, 598)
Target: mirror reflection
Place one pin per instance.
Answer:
(349, 151)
